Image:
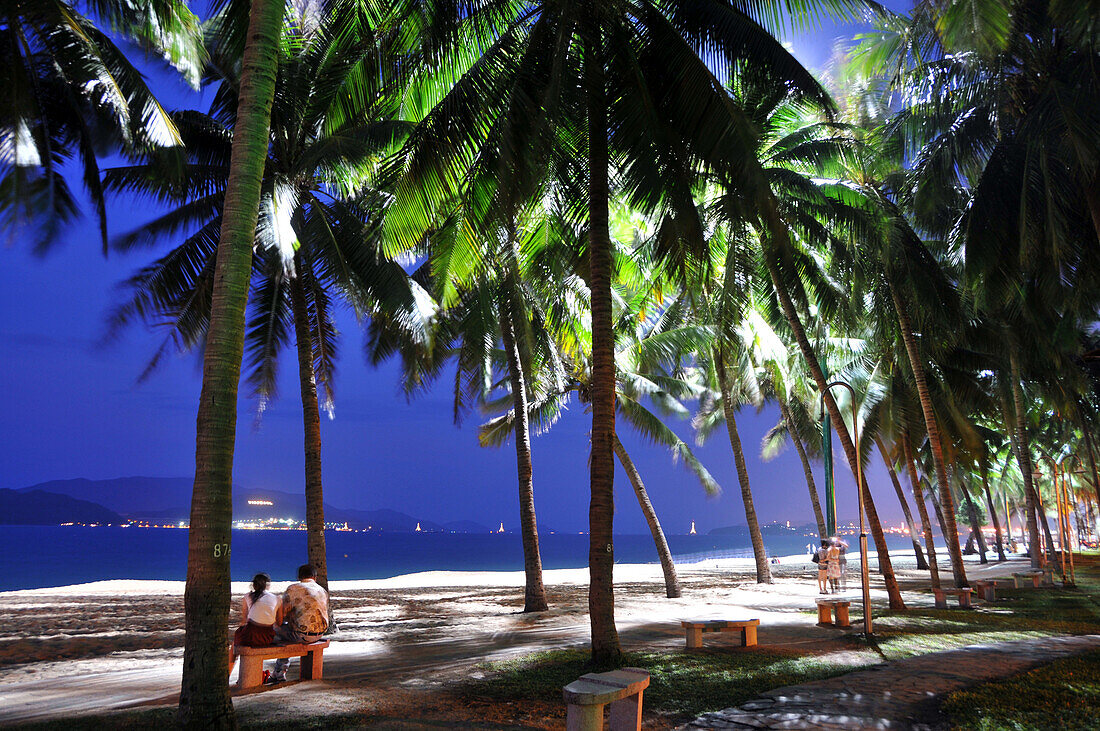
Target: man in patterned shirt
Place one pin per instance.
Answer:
(305, 609)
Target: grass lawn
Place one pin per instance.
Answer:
(684, 685)
(681, 684)
(1064, 694)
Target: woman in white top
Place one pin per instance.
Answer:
(261, 612)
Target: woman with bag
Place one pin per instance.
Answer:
(821, 558)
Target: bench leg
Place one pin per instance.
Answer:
(694, 637)
(311, 665)
(584, 718)
(1036, 581)
(941, 601)
(626, 714)
(842, 616)
(824, 614)
(748, 636)
(252, 671)
(964, 601)
(989, 593)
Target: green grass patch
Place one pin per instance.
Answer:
(1064, 694)
(687, 684)
(681, 684)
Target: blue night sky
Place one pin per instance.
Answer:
(74, 409)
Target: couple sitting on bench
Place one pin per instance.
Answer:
(300, 616)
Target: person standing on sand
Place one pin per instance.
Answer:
(833, 554)
(305, 607)
(822, 567)
(842, 546)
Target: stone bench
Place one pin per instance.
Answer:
(825, 609)
(986, 588)
(587, 696)
(1037, 577)
(252, 661)
(694, 630)
(963, 596)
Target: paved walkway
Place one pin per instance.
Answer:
(889, 695)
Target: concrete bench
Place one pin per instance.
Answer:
(587, 697)
(1037, 577)
(252, 661)
(694, 630)
(986, 588)
(825, 609)
(963, 596)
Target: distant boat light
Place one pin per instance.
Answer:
(261, 502)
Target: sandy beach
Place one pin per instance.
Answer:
(402, 645)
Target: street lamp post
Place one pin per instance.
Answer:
(863, 564)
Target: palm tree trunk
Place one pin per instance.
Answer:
(311, 421)
(922, 510)
(672, 582)
(777, 230)
(204, 694)
(932, 428)
(763, 571)
(922, 565)
(606, 651)
(1044, 520)
(534, 595)
(1092, 200)
(993, 514)
(1092, 464)
(975, 522)
(806, 469)
(1023, 456)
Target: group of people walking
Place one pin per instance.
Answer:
(832, 562)
(299, 616)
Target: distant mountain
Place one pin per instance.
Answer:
(38, 507)
(168, 500)
(127, 495)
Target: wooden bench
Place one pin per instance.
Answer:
(987, 588)
(825, 609)
(694, 630)
(252, 661)
(963, 595)
(587, 697)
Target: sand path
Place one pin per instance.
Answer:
(124, 638)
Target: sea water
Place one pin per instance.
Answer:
(40, 556)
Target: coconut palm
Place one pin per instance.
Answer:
(317, 223)
(654, 337)
(68, 90)
(501, 301)
(801, 218)
(557, 82)
(317, 235)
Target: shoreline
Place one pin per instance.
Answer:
(625, 573)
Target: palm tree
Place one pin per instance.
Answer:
(793, 211)
(316, 236)
(204, 696)
(496, 301)
(556, 82)
(68, 89)
(651, 349)
(220, 189)
(743, 343)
